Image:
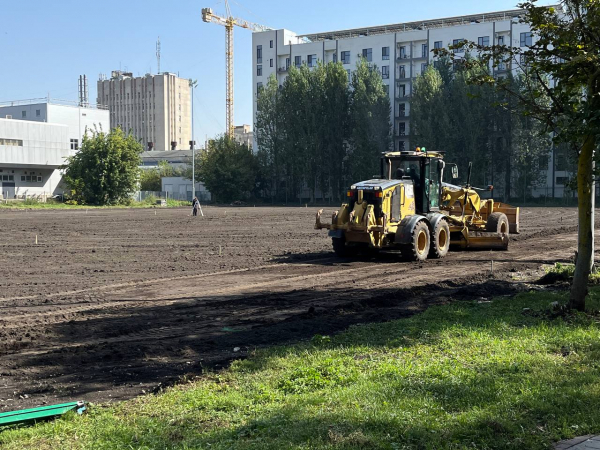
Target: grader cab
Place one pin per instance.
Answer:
(410, 208)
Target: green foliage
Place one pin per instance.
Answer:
(105, 170)
(150, 179)
(228, 169)
(474, 122)
(464, 375)
(316, 131)
(370, 119)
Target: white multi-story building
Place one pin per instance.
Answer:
(401, 52)
(77, 118)
(30, 154)
(36, 137)
(157, 108)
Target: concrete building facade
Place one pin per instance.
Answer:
(36, 136)
(30, 154)
(78, 119)
(156, 108)
(244, 135)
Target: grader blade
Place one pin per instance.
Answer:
(484, 242)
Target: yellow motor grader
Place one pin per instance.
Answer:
(410, 208)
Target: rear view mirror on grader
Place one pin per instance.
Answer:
(410, 208)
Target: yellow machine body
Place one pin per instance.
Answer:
(396, 213)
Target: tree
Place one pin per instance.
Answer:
(475, 123)
(563, 63)
(228, 169)
(270, 136)
(370, 120)
(105, 170)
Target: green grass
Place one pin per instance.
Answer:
(565, 272)
(465, 375)
(149, 202)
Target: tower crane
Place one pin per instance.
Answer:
(229, 22)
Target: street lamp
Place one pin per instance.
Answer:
(193, 84)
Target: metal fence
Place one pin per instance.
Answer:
(203, 196)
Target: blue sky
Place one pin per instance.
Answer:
(45, 45)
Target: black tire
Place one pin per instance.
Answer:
(498, 223)
(440, 240)
(341, 249)
(420, 240)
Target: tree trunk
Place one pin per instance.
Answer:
(585, 243)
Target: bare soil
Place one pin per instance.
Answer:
(110, 304)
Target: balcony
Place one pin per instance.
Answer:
(402, 97)
(402, 76)
(400, 115)
(283, 69)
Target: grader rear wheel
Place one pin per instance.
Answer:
(418, 249)
(440, 240)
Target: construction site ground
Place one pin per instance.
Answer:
(110, 304)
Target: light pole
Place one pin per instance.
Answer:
(193, 84)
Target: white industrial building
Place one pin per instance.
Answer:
(36, 136)
(400, 51)
(157, 109)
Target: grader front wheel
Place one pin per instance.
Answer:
(341, 249)
(418, 248)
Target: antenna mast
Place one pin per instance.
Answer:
(158, 54)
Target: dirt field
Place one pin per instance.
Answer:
(114, 303)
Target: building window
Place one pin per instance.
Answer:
(402, 110)
(12, 142)
(312, 60)
(349, 72)
(345, 57)
(401, 146)
(386, 88)
(271, 62)
(401, 71)
(297, 61)
(437, 44)
(259, 88)
(385, 72)
(23, 114)
(334, 57)
(402, 52)
(402, 129)
(367, 53)
(385, 53)
(287, 63)
(259, 54)
(483, 41)
(38, 112)
(74, 144)
(424, 50)
(500, 40)
(271, 44)
(459, 48)
(401, 88)
(424, 67)
(526, 39)
(259, 70)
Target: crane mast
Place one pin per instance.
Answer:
(229, 22)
